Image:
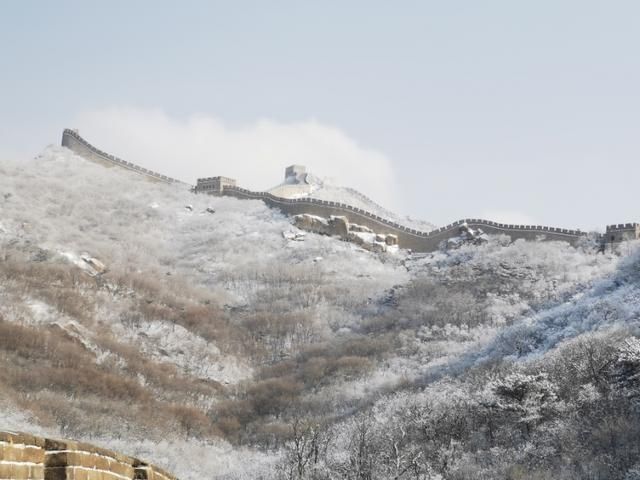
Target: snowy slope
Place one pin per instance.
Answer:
(312, 186)
(206, 311)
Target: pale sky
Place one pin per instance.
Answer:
(509, 110)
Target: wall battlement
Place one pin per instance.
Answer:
(78, 145)
(416, 240)
(407, 237)
(28, 457)
(622, 232)
(621, 226)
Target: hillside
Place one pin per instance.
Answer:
(188, 330)
(312, 186)
(349, 196)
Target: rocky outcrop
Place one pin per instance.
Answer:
(467, 235)
(312, 223)
(27, 457)
(340, 226)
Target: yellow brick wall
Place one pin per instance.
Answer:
(21, 457)
(25, 457)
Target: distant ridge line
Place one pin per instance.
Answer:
(417, 240)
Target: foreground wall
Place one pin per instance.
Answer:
(27, 457)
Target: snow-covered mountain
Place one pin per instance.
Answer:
(208, 335)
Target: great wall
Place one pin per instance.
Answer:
(74, 142)
(408, 238)
(28, 457)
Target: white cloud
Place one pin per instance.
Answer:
(255, 154)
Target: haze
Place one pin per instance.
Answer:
(512, 111)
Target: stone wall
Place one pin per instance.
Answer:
(622, 232)
(78, 145)
(27, 457)
(22, 457)
(407, 237)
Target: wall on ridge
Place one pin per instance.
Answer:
(27, 457)
(78, 145)
(407, 238)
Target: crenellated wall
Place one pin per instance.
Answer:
(407, 237)
(27, 457)
(622, 232)
(78, 145)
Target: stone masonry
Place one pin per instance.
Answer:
(406, 237)
(28, 457)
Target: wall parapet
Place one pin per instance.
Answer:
(28, 457)
(243, 192)
(408, 237)
(419, 241)
(72, 140)
(621, 226)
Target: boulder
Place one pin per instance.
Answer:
(95, 266)
(339, 226)
(354, 227)
(312, 223)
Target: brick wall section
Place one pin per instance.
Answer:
(25, 457)
(22, 457)
(78, 145)
(407, 237)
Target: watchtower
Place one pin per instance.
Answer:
(294, 173)
(622, 232)
(214, 185)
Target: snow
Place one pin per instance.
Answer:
(311, 186)
(168, 342)
(239, 253)
(354, 198)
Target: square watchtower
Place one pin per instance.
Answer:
(622, 232)
(294, 172)
(214, 185)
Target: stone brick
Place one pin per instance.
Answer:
(103, 463)
(11, 453)
(5, 470)
(19, 472)
(94, 475)
(110, 476)
(33, 455)
(36, 472)
(122, 469)
(55, 473)
(80, 474)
